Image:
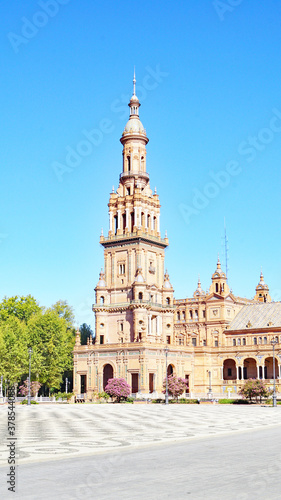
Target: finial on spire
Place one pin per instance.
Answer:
(219, 263)
(166, 234)
(155, 190)
(112, 189)
(134, 81)
(102, 231)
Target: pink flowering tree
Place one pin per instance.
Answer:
(34, 388)
(118, 389)
(255, 389)
(176, 386)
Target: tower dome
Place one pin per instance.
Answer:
(134, 126)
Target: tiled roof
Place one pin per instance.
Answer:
(260, 315)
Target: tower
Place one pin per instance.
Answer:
(134, 298)
(262, 291)
(219, 281)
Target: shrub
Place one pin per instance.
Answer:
(64, 395)
(34, 388)
(24, 402)
(176, 386)
(118, 389)
(103, 395)
(254, 389)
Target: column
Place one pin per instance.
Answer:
(152, 221)
(237, 372)
(263, 372)
(279, 371)
(127, 217)
(145, 218)
(139, 222)
(149, 324)
(110, 220)
(112, 268)
(135, 216)
(242, 372)
(119, 219)
(221, 369)
(158, 223)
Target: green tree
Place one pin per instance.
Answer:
(63, 310)
(13, 349)
(20, 307)
(52, 343)
(85, 333)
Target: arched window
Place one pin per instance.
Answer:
(140, 295)
(190, 314)
(255, 340)
(238, 341)
(265, 340)
(168, 301)
(217, 287)
(244, 341)
(233, 341)
(102, 300)
(178, 316)
(260, 340)
(129, 163)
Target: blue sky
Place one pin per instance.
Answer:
(208, 77)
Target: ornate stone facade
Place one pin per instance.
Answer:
(141, 330)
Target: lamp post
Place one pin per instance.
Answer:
(273, 343)
(166, 393)
(1, 390)
(210, 384)
(66, 384)
(29, 378)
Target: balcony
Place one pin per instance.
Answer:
(124, 175)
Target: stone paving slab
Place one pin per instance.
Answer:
(51, 432)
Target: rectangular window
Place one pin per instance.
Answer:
(168, 339)
(204, 314)
(121, 327)
(101, 339)
(121, 268)
(194, 342)
(135, 383)
(204, 342)
(151, 382)
(216, 343)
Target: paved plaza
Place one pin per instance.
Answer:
(76, 450)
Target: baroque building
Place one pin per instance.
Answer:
(141, 330)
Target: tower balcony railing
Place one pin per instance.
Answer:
(139, 301)
(138, 234)
(131, 173)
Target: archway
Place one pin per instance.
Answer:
(250, 368)
(229, 369)
(170, 370)
(268, 368)
(107, 374)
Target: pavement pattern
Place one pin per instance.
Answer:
(52, 432)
